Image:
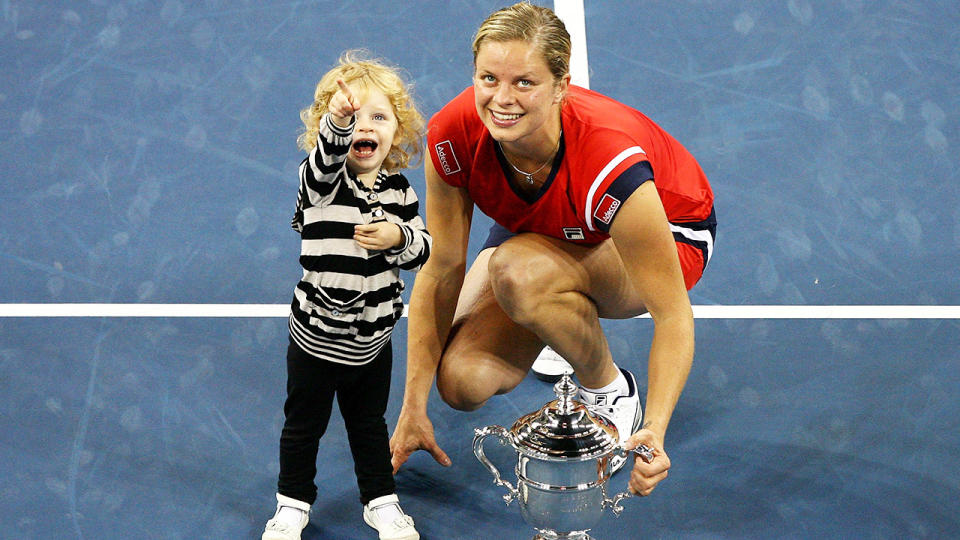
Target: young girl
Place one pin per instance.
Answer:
(360, 224)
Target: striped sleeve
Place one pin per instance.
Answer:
(321, 168)
(417, 242)
(328, 157)
(297, 221)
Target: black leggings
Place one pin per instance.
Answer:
(362, 393)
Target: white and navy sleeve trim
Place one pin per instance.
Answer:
(619, 191)
(595, 200)
(699, 234)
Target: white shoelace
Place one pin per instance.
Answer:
(606, 411)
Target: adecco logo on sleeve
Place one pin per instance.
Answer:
(607, 208)
(448, 161)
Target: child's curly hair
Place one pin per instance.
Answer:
(356, 67)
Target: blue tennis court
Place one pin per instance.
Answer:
(150, 162)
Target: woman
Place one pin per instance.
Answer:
(599, 212)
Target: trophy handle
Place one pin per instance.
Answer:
(501, 433)
(645, 453)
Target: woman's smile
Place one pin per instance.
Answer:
(515, 92)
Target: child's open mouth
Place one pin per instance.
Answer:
(364, 148)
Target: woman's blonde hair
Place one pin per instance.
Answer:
(357, 68)
(536, 25)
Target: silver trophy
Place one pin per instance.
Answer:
(564, 461)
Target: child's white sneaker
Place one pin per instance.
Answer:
(384, 515)
(289, 520)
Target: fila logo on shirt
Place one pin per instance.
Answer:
(573, 233)
(607, 208)
(448, 160)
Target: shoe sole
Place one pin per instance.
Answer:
(547, 377)
(554, 372)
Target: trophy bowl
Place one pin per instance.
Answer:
(564, 460)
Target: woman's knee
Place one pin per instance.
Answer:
(467, 382)
(464, 380)
(458, 392)
(520, 279)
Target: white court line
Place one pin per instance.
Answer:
(283, 310)
(144, 310)
(571, 13)
(827, 312)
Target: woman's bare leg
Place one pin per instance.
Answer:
(487, 353)
(558, 290)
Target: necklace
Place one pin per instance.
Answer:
(528, 177)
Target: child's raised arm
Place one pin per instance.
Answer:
(342, 105)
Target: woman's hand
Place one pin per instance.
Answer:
(646, 475)
(414, 432)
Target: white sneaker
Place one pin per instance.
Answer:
(550, 366)
(287, 526)
(400, 527)
(623, 410)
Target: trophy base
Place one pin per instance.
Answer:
(553, 535)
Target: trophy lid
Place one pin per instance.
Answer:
(564, 428)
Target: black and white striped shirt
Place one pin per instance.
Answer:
(348, 300)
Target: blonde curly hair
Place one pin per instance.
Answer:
(357, 67)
